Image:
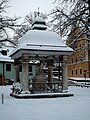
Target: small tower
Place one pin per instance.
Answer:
(39, 24)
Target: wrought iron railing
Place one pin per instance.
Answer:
(45, 87)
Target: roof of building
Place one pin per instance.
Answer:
(39, 24)
(40, 41)
(5, 52)
(41, 37)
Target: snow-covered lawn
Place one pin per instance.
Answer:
(66, 108)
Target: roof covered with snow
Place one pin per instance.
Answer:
(5, 52)
(40, 41)
(38, 19)
(39, 24)
(41, 37)
(5, 57)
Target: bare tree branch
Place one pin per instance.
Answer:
(6, 23)
(80, 15)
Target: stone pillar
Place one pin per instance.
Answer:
(16, 71)
(50, 69)
(64, 75)
(25, 82)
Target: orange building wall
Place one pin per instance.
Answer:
(83, 66)
(79, 60)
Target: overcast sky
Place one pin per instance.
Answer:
(21, 8)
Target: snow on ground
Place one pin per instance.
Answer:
(66, 108)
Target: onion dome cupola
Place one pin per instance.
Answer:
(39, 24)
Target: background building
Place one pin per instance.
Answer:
(79, 61)
(7, 66)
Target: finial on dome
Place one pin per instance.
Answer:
(39, 23)
(38, 12)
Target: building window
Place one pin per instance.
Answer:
(80, 71)
(76, 71)
(8, 67)
(4, 52)
(76, 60)
(72, 72)
(72, 60)
(30, 68)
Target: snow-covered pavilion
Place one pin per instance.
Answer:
(41, 42)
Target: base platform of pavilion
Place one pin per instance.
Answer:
(42, 95)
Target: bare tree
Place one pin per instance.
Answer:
(27, 25)
(63, 21)
(6, 23)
